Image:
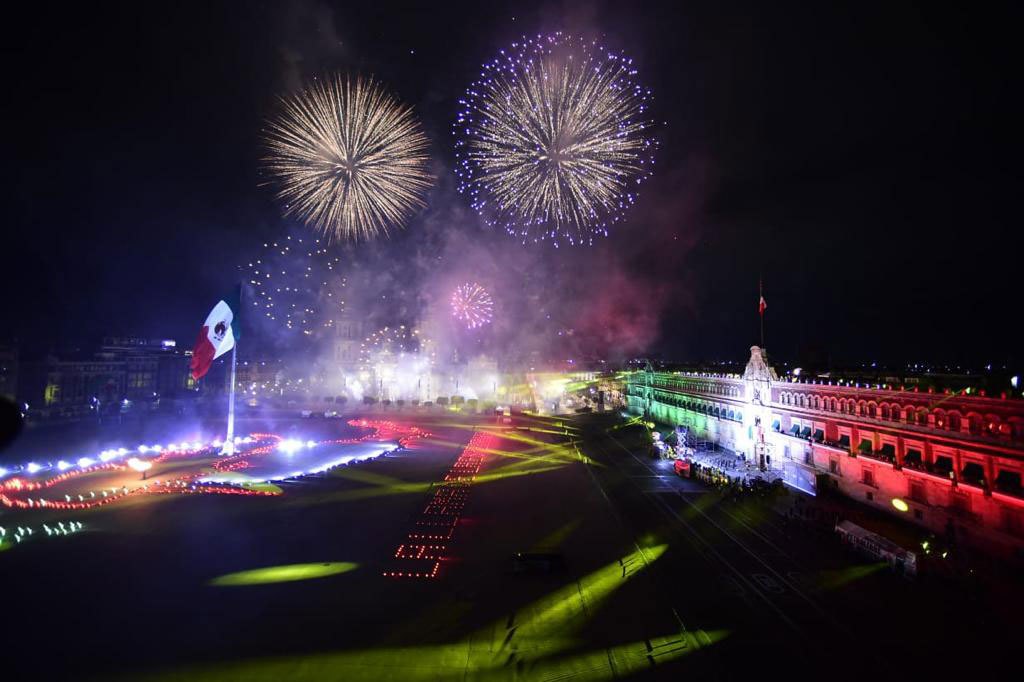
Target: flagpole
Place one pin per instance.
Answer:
(229, 442)
(760, 293)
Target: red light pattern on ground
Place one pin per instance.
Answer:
(427, 543)
(12, 490)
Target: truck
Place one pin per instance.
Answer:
(900, 560)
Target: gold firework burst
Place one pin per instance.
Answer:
(351, 159)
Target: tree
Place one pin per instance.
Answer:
(442, 400)
(369, 400)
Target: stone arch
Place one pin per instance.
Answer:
(993, 424)
(975, 423)
(953, 420)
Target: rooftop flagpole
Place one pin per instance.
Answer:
(761, 305)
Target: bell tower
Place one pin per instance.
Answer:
(758, 378)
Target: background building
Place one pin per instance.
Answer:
(133, 369)
(956, 458)
(8, 372)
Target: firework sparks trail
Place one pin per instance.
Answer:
(350, 159)
(298, 283)
(552, 140)
(472, 305)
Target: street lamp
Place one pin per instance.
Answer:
(140, 465)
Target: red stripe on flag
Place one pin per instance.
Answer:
(202, 354)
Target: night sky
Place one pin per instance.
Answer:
(860, 159)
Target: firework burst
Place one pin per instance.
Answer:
(350, 159)
(472, 305)
(552, 140)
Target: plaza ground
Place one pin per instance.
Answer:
(663, 579)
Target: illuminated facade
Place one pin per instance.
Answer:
(955, 459)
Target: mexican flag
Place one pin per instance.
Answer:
(218, 334)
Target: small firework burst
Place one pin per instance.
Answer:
(472, 305)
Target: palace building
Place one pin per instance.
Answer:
(952, 460)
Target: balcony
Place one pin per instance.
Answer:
(878, 455)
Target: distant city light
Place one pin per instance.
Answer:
(32, 467)
(1014, 380)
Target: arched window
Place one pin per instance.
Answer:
(974, 423)
(953, 421)
(885, 412)
(922, 417)
(992, 424)
(872, 410)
